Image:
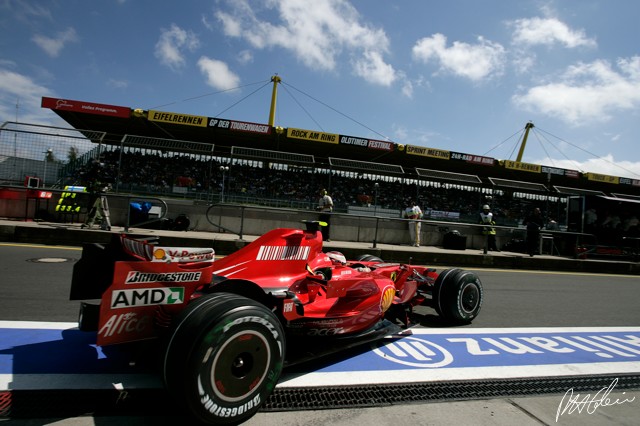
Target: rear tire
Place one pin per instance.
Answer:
(224, 357)
(458, 296)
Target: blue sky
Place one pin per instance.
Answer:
(459, 75)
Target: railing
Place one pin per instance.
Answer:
(217, 225)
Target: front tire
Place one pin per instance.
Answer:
(224, 357)
(458, 295)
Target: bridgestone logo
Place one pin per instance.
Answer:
(137, 277)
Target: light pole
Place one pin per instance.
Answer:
(375, 199)
(224, 170)
(47, 155)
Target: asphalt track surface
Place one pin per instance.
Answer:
(35, 282)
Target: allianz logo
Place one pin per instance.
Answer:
(421, 352)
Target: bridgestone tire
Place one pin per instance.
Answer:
(223, 358)
(457, 296)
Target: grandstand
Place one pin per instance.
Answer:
(173, 154)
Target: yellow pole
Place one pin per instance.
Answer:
(274, 96)
(528, 127)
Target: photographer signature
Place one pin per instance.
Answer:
(571, 403)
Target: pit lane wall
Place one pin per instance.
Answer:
(240, 219)
(352, 235)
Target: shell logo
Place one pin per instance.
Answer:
(387, 297)
(159, 254)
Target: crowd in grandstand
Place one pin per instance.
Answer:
(162, 173)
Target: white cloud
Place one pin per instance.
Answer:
(53, 46)
(407, 88)
(372, 68)
(171, 44)
(245, 57)
(548, 32)
(25, 11)
(587, 92)
(117, 84)
(475, 62)
(218, 74)
(23, 91)
(318, 36)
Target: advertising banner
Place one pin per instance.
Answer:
(85, 107)
(310, 135)
(173, 118)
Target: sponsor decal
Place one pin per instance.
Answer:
(415, 352)
(86, 107)
(475, 159)
(388, 295)
(147, 297)
(595, 177)
(348, 140)
(627, 181)
(240, 126)
(283, 253)
(440, 214)
(138, 277)
(185, 119)
(367, 143)
(219, 411)
(287, 306)
(553, 171)
(429, 349)
(165, 254)
(525, 167)
(255, 319)
(428, 152)
(313, 136)
(128, 322)
(325, 331)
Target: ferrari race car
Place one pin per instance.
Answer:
(228, 327)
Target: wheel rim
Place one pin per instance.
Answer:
(469, 297)
(240, 366)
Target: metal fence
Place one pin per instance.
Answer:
(43, 152)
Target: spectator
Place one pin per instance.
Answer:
(414, 212)
(325, 207)
(533, 223)
(486, 218)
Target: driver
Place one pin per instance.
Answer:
(338, 259)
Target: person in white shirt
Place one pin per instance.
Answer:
(325, 207)
(413, 211)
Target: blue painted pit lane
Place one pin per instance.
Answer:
(37, 355)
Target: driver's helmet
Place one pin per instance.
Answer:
(337, 258)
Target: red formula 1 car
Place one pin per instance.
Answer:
(229, 326)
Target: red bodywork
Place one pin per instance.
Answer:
(282, 269)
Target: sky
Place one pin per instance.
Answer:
(458, 75)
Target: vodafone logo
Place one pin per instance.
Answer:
(414, 352)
